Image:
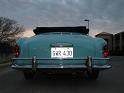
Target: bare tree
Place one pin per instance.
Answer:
(9, 29)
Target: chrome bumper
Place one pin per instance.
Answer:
(34, 66)
(61, 67)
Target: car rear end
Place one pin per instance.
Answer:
(60, 53)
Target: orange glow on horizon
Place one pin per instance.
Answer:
(93, 33)
(28, 33)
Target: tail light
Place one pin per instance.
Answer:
(105, 51)
(17, 51)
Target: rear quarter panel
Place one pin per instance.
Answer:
(100, 43)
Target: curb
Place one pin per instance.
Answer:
(5, 64)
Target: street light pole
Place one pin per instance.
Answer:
(88, 23)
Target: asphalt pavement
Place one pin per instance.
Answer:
(109, 81)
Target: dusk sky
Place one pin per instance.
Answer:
(104, 15)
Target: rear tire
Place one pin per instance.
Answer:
(28, 75)
(93, 75)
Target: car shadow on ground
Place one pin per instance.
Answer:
(61, 80)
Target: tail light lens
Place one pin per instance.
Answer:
(105, 51)
(17, 51)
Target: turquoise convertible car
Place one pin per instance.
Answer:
(61, 49)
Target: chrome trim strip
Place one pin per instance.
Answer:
(83, 58)
(61, 45)
(60, 66)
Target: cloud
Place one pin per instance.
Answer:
(104, 15)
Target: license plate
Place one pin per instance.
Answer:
(62, 52)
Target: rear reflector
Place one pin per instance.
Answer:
(17, 51)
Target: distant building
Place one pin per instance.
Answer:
(118, 44)
(108, 37)
(115, 42)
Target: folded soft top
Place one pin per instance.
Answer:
(79, 29)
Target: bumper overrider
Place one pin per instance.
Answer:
(34, 66)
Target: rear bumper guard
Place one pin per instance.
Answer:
(89, 66)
